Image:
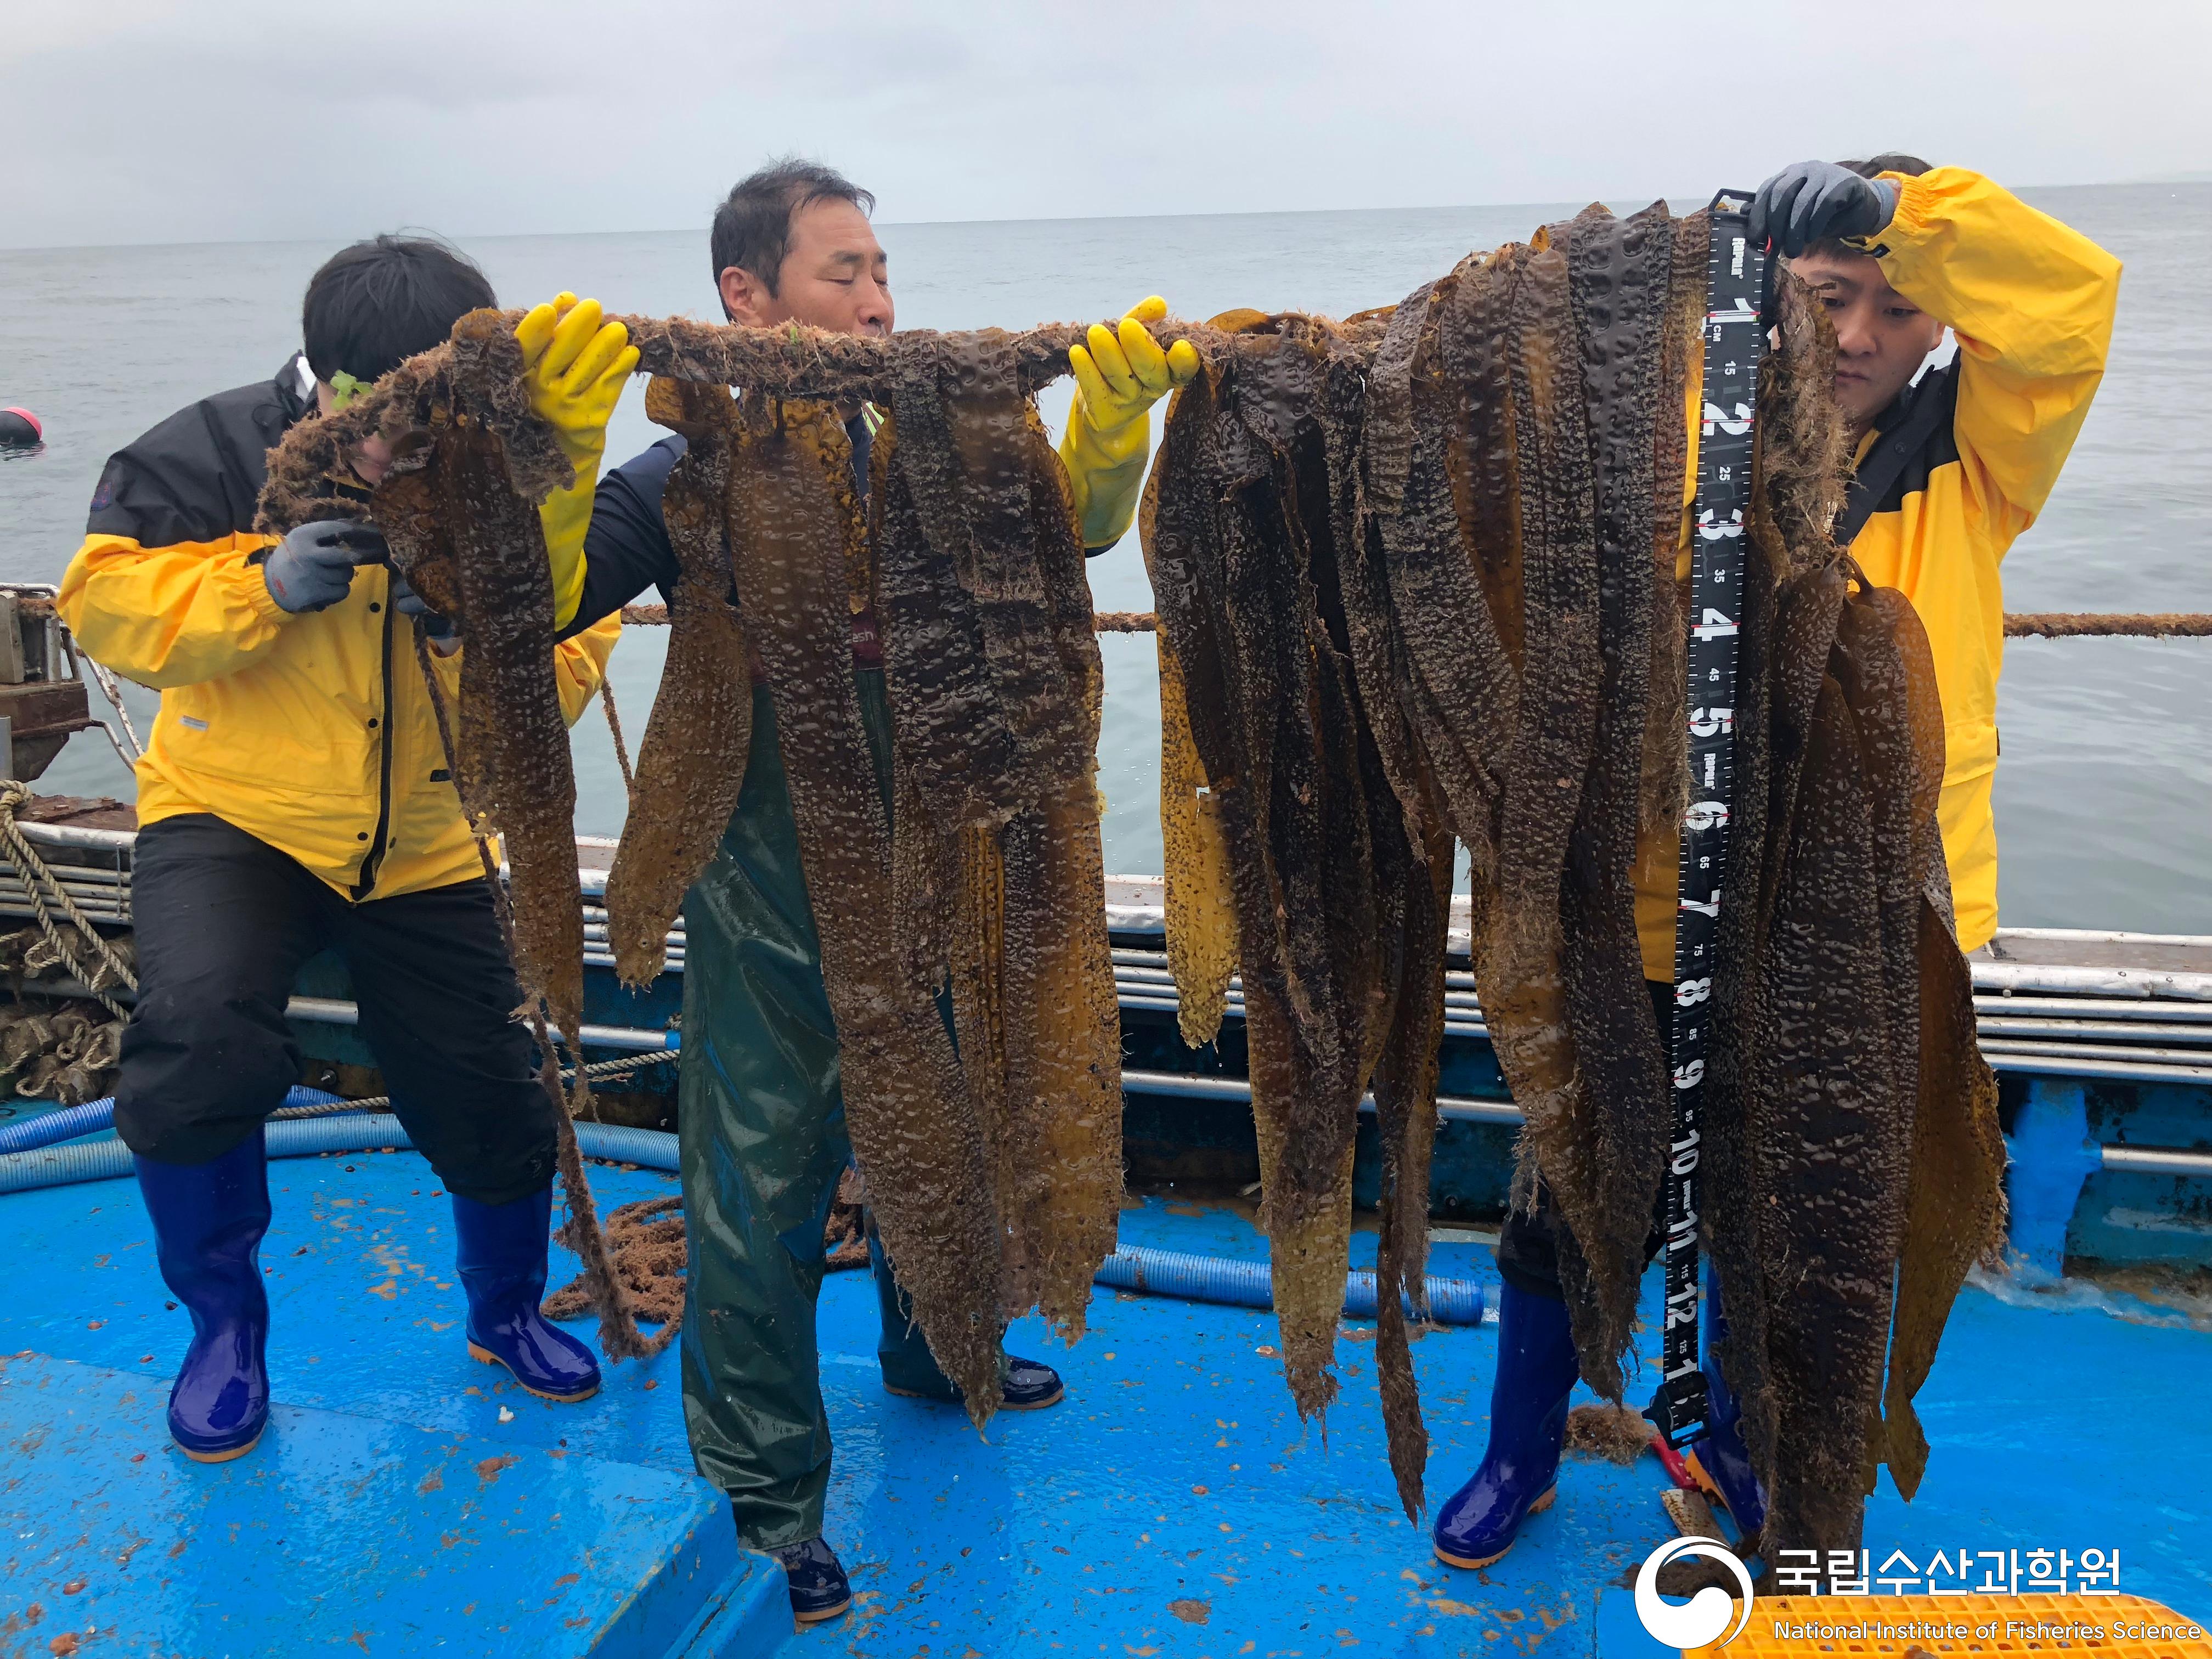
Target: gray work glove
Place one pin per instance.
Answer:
(408, 603)
(311, 568)
(1817, 201)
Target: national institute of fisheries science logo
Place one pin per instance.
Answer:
(1709, 1618)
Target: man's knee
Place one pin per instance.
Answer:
(201, 1064)
(488, 1141)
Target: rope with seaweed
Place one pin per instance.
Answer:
(792, 363)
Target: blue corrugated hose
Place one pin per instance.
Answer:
(94, 1115)
(1245, 1283)
(307, 1137)
(1132, 1268)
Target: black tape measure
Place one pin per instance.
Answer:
(1734, 341)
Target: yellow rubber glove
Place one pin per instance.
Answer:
(574, 366)
(1118, 379)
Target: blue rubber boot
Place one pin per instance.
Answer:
(1718, 1458)
(819, 1590)
(500, 1253)
(1519, 1472)
(208, 1223)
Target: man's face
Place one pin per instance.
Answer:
(1881, 337)
(372, 460)
(834, 276)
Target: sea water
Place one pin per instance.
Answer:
(2104, 797)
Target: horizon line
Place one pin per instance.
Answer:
(2190, 177)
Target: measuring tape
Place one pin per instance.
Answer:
(1734, 341)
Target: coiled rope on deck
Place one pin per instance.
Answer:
(40, 883)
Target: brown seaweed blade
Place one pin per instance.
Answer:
(513, 740)
(1460, 685)
(963, 457)
(1063, 1022)
(1879, 643)
(1954, 1200)
(1620, 271)
(1181, 533)
(1235, 613)
(1832, 1135)
(1412, 859)
(1055, 877)
(1318, 829)
(794, 525)
(976, 949)
(1400, 990)
(1954, 1194)
(1812, 1113)
(691, 765)
(1518, 966)
(1665, 786)
(1405, 1124)
(952, 735)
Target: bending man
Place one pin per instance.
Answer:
(294, 798)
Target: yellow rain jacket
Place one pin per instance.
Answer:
(313, 732)
(2030, 303)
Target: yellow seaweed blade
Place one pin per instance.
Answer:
(1201, 926)
(1078, 1068)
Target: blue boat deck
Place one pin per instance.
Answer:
(408, 1501)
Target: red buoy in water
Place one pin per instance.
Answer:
(20, 429)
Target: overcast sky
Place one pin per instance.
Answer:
(220, 120)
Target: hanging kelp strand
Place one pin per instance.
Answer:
(1246, 468)
(691, 765)
(914, 1131)
(1201, 929)
(997, 689)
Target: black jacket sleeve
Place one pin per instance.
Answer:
(627, 549)
(197, 477)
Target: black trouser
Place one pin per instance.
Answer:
(1528, 1243)
(224, 921)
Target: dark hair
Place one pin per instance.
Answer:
(1890, 161)
(379, 302)
(752, 227)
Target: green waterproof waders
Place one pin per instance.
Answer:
(761, 1124)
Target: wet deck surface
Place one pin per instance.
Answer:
(1172, 1506)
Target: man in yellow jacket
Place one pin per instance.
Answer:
(294, 798)
(1950, 467)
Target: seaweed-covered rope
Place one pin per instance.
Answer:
(615, 731)
(2091, 624)
(788, 362)
(40, 882)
